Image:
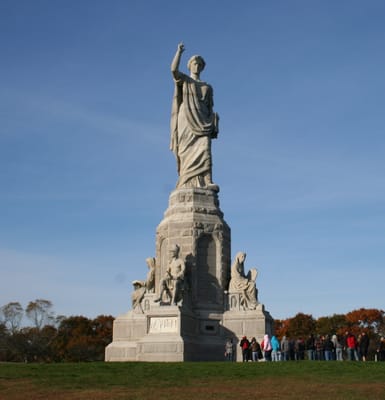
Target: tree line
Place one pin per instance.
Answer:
(51, 338)
(371, 321)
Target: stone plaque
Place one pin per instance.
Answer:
(163, 325)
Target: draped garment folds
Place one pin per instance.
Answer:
(193, 125)
(241, 283)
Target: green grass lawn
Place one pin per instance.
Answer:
(219, 380)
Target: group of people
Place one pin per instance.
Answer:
(315, 347)
(339, 348)
(252, 350)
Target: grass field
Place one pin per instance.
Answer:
(193, 381)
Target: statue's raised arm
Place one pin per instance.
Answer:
(193, 124)
(176, 61)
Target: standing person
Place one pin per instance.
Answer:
(328, 348)
(193, 124)
(364, 346)
(338, 348)
(229, 350)
(275, 349)
(351, 347)
(266, 347)
(285, 349)
(292, 349)
(255, 349)
(381, 350)
(310, 347)
(299, 349)
(319, 348)
(245, 346)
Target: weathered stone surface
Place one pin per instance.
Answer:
(196, 329)
(193, 124)
(250, 323)
(194, 221)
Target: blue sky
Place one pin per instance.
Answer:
(85, 166)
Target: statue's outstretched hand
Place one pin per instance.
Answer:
(181, 47)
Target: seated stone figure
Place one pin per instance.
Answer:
(173, 281)
(142, 287)
(245, 285)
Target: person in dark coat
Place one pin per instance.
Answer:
(364, 346)
(245, 346)
(381, 350)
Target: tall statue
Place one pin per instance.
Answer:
(244, 284)
(193, 124)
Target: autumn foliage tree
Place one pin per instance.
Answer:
(81, 339)
(281, 327)
(370, 319)
(51, 338)
(300, 326)
(336, 324)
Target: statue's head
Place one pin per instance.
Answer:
(137, 284)
(150, 262)
(199, 60)
(240, 257)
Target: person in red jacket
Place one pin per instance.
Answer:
(351, 347)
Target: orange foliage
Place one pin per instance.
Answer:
(366, 318)
(372, 321)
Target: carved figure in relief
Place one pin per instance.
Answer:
(244, 284)
(172, 283)
(137, 296)
(150, 279)
(193, 124)
(142, 287)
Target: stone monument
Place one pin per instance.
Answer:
(194, 299)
